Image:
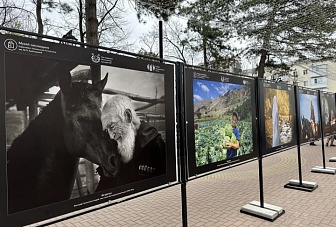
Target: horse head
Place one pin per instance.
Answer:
(83, 131)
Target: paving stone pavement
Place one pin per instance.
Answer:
(216, 199)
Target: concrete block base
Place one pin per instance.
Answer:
(304, 186)
(268, 212)
(332, 159)
(320, 169)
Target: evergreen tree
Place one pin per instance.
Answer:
(160, 9)
(213, 34)
(286, 29)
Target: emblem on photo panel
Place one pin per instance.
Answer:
(200, 75)
(95, 58)
(10, 44)
(223, 79)
(154, 68)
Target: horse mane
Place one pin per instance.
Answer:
(52, 109)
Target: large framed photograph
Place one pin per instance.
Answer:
(220, 114)
(309, 115)
(277, 116)
(80, 127)
(328, 111)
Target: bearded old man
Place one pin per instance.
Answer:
(140, 146)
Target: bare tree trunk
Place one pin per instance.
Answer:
(39, 17)
(261, 69)
(266, 43)
(204, 40)
(33, 111)
(91, 22)
(80, 21)
(205, 53)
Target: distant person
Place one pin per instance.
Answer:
(233, 146)
(331, 140)
(140, 146)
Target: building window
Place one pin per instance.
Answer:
(305, 83)
(319, 80)
(295, 74)
(318, 70)
(305, 72)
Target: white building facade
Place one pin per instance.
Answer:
(320, 75)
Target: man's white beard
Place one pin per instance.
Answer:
(126, 144)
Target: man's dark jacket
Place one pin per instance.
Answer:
(149, 160)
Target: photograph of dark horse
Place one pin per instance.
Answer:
(42, 161)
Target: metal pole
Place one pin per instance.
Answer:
(321, 129)
(182, 141)
(160, 39)
(261, 183)
(298, 132)
(184, 204)
(299, 162)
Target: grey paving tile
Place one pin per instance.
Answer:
(215, 200)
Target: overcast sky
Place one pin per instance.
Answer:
(139, 29)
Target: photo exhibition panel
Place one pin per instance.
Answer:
(328, 113)
(309, 115)
(277, 116)
(221, 126)
(81, 127)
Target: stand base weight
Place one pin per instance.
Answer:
(332, 159)
(268, 212)
(320, 169)
(304, 186)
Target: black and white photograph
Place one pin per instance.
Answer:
(133, 115)
(84, 130)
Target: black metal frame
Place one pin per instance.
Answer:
(183, 151)
(301, 186)
(303, 90)
(330, 97)
(122, 61)
(216, 76)
(322, 131)
(276, 86)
